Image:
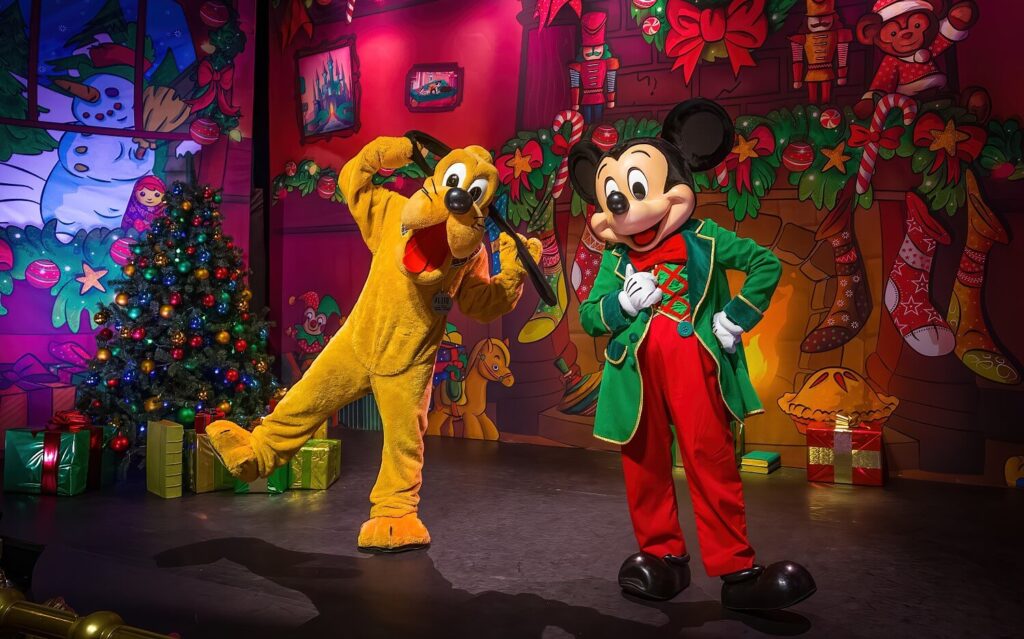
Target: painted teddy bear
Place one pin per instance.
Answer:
(675, 355)
(427, 252)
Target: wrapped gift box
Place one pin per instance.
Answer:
(206, 417)
(164, 443)
(46, 461)
(317, 465)
(30, 393)
(277, 483)
(842, 455)
(204, 471)
(102, 461)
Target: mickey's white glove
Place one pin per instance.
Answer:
(727, 332)
(639, 291)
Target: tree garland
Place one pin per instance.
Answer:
(227, 41)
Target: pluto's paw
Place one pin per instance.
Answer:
(233, 444)
(393, 534)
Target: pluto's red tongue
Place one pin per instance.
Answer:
(645, 237)
(427, 249)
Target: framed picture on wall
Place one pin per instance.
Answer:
(434, 87)
(328, 89)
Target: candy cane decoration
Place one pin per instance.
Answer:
(349, 10)
(575, 119)
(890, 101)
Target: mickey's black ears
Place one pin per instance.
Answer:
(583, 160)
(701, 130)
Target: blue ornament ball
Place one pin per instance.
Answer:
(92, 380)
(203, 257)
(232, 285)
(170, 279)
(195, 323)
(129, 376)
(222, 308)
(264, 334)
(145, 298)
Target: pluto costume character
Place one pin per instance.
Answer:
(426, 252)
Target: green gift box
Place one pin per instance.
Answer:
(46, 462)
(317, 465)
(164, 458)
(275, 484)
(103, 461)
(204, 471)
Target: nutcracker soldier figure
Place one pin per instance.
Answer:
(819, 53)
(592, 76)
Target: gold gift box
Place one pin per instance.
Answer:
(164, 441)
(317, 465)
(205, 473)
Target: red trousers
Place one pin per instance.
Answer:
(680, 386)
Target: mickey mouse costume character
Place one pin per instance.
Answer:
(675, 354)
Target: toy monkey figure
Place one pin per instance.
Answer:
(592, 77)
(819, 54)
(427, 253)
(675, 355)
(911, 33)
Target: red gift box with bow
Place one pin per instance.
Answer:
(30, 393)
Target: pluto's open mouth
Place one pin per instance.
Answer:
(643, 238)
(427, 249)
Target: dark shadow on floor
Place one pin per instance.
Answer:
(404, 595)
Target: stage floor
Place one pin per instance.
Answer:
(527, 544)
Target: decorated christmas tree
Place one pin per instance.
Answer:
(180, 336)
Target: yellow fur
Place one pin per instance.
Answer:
(388, 344)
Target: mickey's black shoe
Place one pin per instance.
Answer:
(780, 585)
(645, 575)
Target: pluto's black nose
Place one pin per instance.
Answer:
(458, 200)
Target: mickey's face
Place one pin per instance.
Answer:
(635, 207)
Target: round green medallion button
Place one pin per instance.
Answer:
(685, 328)
(633, 337)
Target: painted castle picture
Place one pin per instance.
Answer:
(328, 90)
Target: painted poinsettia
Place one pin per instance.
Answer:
(951, 143)
(514, 168)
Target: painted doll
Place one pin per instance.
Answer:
(146, 203)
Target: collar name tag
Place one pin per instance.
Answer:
(442, 302)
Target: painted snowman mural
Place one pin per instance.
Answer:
(95, 174)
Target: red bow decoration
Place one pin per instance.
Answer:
(219, 85)
(742, 26)
(559, 145)
(548, 9)
(69, 420)
(952, 144)
(887, 139)
(760, 143)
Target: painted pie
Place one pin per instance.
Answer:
(835, 390)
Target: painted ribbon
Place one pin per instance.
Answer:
(27, 373)
(951, 143)
(562, 146)
(763, 143)
(218, 83)
(741, 25)
(890, 101)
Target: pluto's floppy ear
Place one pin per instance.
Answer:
(701, 130)
(583, 160)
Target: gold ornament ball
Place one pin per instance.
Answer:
(242, 305)
(152, 404)
(223, 337)
(100, 317)
(261, 366)
(203, 394)
(122, 299)
(102, 354)
(186, 205)
(147, 366)
(246, 295)
(126, 332)
(166, 311)
(177, 338)
(202, 273)
(129, 270)
(225, 407)
(160, 260)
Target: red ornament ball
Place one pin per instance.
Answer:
(209, 300)
(105, 334)
(290, 168)
(240, 387)
(119, 444)
(229, 245)
(96, 403)
(605, 136)
(245, 317)
(281, 194)
(190, 250)
(195, 341)
(240, 345)
(121, 251)
(231, 375)
(644, 4)
(42, 274)
(174, 299)
(204, 131)
(178, 353)
(651, 26)
(112, 382)
(214, 14)
(220, 273)
(6, 256)
(143, 262)
(197, 221)
(798, 156)
(138, 334)
(325, 187)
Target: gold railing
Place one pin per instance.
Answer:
(53, 623)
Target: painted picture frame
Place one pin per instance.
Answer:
(434, 87)
(327, 89)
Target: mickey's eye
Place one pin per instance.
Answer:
(455, 175)
(478, 188)
(610, 186)
(637, 183)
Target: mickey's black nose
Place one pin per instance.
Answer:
(458, 200)
(617, 203)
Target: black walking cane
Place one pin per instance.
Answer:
(421, 141)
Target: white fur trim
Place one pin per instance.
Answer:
(950, 32)
(900, 7)
(931, 81)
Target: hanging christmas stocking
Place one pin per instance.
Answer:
(907, 291)
(546, 318)
(852, 304)
(586, 263)
(974, 343)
